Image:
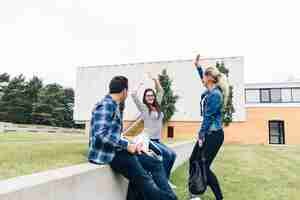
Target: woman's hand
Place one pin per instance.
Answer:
(150, 76)
(196, 61)
(138, 88)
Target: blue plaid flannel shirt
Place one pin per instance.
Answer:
(105, 132)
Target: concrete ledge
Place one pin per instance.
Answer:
(80, 182)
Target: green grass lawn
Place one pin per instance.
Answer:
(27, 153)
(24, 153)
(252, 172)
(245, 171)
(39, 137)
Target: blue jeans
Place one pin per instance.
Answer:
(145, 174)
(169, 156)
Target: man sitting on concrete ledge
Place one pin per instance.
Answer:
(107, 146)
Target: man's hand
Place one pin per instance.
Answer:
(132, 148)
(140, 148)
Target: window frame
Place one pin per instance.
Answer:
(281, 136)
(293, 95)
(280, 95)
(292, 98)
(269, 95)
(252, 101)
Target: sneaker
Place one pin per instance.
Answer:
(194, 197)
(172, 185)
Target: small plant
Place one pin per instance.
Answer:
(228, 108)
(169, 99)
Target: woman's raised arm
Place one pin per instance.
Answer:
(198, 67)
(140, 105)
(159, 89)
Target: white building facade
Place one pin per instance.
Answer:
(92, 84)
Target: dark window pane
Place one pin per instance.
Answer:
(265, 95)
(275, 95)
(276, 132)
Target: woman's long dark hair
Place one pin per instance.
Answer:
(155, 103)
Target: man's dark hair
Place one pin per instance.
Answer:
(118, 84)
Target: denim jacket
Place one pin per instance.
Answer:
(211, 109)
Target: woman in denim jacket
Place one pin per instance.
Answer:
(211, 134)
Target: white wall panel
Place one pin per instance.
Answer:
(92, 85)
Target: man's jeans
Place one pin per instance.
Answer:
(169, 156)
(145, 173)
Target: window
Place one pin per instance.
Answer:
(276, 95)
(296, 94)
(272, 95)
(265, 96)
(252, 96)
(286, 95)
(276, 132)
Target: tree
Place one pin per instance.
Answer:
(49, 108)
(33, 87)
(169, 98)
(228, 108)
(68, 107)
(24, 101)
(54, 106)
(32, 90)
(4, 77)
(13, 106)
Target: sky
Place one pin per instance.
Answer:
(50, 39)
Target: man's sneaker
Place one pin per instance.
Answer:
(194, 197)
(172, 185)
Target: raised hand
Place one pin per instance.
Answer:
(151, 76)
(135, 90)
(196, 61)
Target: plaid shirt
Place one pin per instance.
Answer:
(105, 132)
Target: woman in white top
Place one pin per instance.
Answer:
(153, 121)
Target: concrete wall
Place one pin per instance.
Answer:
(80, 182)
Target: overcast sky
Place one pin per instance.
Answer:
(51, 38)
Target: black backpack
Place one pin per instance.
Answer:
(198, 174)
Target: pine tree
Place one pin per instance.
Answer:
(68, 107)
(13, 106)
(228, 108)
(50, 107)
(4, 77)
(169, 98)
